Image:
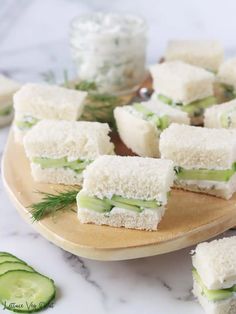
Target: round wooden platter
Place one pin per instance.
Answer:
(190, 217)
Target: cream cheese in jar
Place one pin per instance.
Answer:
(110, 50)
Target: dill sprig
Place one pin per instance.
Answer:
(51, 203)
(86, 86)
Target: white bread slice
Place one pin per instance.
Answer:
(143, 137)
(227, 72)
(139, 135)
(71, 139)
(195, 147)
(212, 116)
(220, 189)
(55, 175)
(215, 262)
(48, 102)
(129, 177)
(182, 82)
(207, 54)
(120, 217)
(227, 306)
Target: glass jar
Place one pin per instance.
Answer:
(110, 50)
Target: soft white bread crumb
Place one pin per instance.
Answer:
(212, 116)
(195, 147)
(207, 54)
(120, 217)
(49, 102)
(215, 263)
(220, 189)
(129, 177)
(71, 139)
(55, 175)
(227, 72)
(7, 88)
(143, 137)
(227, 306)
(182, 82)
(139, 135)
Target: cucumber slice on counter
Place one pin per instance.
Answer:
(6, 253)
(10, 258)
(27, 291)
(5, 267)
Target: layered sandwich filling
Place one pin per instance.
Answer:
(213, 295)
(76, 165)
(161, 122)
(195, 108)
(26, 123)
(105, 205)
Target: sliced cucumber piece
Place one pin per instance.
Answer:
(5, 267)
(125, 206)
(24, 292)
(6, 253)
(76, 165)
(165, 99)
(205, 174)
(26, 123)
(225, 120)
(212, 295)
(10, 258)
(199, 104)
(93, 203)
(139, 107)
(139, 203)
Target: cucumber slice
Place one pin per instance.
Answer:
(6, 253)
(10, 258)
(5, 267)
(205, 174)
(165, 99)
(93, 203)
(139, 203)
(25, 292)
(126, 206)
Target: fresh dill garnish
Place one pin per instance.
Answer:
(86, 86)
(51, 203)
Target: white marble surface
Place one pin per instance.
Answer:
(33, 42)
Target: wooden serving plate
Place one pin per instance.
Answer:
(189, 219)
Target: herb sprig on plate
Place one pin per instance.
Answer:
(51, 203)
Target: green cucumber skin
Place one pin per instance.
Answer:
(77, 165)
(10, 258)
(45, 305)
(15, 264)
(208, 175)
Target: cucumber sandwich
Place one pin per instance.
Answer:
(7, 88)
(227, 78)
(185, 87)
(214, 275)
(59, 151)
(35, 102)
(148, 120)
(205, 159)
(128, 192)
(207, 54)
(221, 116)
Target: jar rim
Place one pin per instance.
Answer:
(140, 25)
